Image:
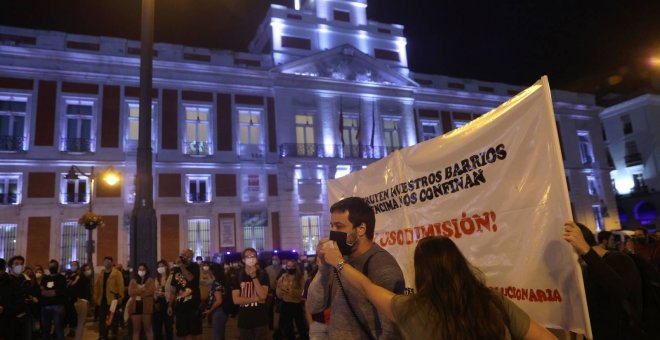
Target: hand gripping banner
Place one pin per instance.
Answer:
(495, 186)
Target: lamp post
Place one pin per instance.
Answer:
(111, 178)
(143, 217)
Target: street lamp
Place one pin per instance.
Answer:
(110, 177)
(143, 218)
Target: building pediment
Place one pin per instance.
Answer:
(346, 63)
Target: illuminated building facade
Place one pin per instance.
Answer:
(631, 129)
(244, 143)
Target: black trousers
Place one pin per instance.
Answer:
(293, 313)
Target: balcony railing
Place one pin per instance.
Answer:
(77, 144)
(197, 197)
(331, 151)
(633, 159)
(251, 152)
(74, 198)
(9, 198)
(197, 148)
(12, 143)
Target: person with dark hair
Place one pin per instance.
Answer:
(188, 318)
(80, 288)
(648, 248)
(604, 239)
(108, 286)
(10, 302)
(141, 291)
(249, 291)
(352, 225)
(451, 301)
(290, 288)
(22, 322)
(53, 298)
(213, 309)
(612, 284)
(162, 318)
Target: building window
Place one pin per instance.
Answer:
(199, 236)
(134, 126)
(254, 230)
(342, 170)
(12, 123)
(310, 232)
(459, 123)
(295, 42)
(10, 192)
(592, 186)
(350, 135)
(342, 15)
(639, 183)
(74, 239)
(250, 144)
(430, 130)
(198, 188)
(249, 126)
(633, 156)
(305, 135)
(74, 191)
(627, 124)
(197, 131)
(7, 240)
(586, 153)
(79, 126)
(598, 215)
(391, 133)
(386, 54)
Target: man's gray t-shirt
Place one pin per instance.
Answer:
(383, 270)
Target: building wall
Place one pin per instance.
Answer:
(270, 180)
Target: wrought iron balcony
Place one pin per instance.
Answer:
(633, 159)
(197, 197)
(197, 148)
(74, 198)
(77, 144)
(12, 143)
(251, 152)
(331, 151)
(9, 198)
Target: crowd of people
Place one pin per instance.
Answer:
(351, 289)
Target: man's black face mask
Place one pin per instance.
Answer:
(340, 238)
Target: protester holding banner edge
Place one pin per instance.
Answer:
(443, 278)
(612, 284)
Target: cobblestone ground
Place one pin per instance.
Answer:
(91, 331)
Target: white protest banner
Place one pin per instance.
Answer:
(496, 187)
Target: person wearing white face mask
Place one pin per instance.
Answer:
(249, 291)
(22, 319)
(141, 290)
(162, 318)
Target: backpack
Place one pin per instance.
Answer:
(650, 297)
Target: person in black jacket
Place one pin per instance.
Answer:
(53, 298)
(612, 284)
(10, 302)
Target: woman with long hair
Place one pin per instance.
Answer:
(451, 301)
(290, 287)
(214, 304)
(162, 317)
(141, 290)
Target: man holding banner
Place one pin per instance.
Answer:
(352, 315)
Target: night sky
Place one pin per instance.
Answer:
(586, 46)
